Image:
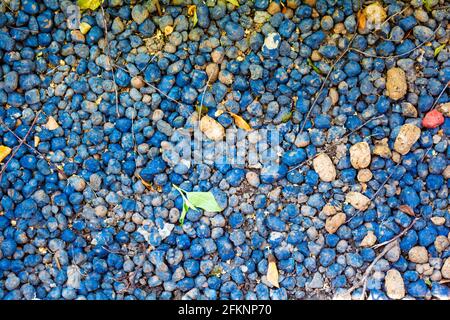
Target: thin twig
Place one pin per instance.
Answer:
(363, 280)
(33, 149)
(108, 54)
(397, 236)
(376, 192)
(20, 144)
(440, 95)
(335, 143)
(398, 55)
(152, 86)
(325, 81)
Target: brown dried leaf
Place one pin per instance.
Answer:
(407, 209)
(240, 122)
(361, 20)
(145, 183)
(272, 271)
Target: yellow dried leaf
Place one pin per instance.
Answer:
(272, 271)
(36, 141)
(240, 122)
(375, 15)
(51, 124)
(234, 2)
(85, 27)
(4, 152)
(192, 11)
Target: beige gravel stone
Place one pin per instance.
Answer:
(394, 285)
(407, 136)
(382, 149)
(329, 210)
(446, 172)
(408, 110)
(364, 175)
(396, 83)
(212, 70)
(333, 223)
(324, 167)
(369, 240)
(418, 254)
(438, 221)
(137, 82)
(211, 128)
(360, 155)
(334, 96)
(445, 271)
(358, 200)
(441, 243)
(445, 109)
(273, 8)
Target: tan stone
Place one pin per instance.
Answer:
(333, 223)
(438, 221)
(408, 110)
(396, 83)
(418, 254)
(358, 200)
(137, 82)
(324, 167)
(212, 70)
(441, 243)
(394, 285)
(369, 240)
(382, 149)
(273, 8)
(446, 172)
(407, 136)
(334, 96)
(364, 175)
(211, 128)
(360, 155)
(444, 109)
(445, 271)
(329, 210)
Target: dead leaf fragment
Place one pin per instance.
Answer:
(361, 20)
(374, 15)
(51, 124)
(407, 209)
(272, 271)
(240, 122)
(4, 152)
(145, 183)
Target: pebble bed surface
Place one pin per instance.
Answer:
(93, 102)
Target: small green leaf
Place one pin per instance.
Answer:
(234, 2)
(195, 18)
(186, 204)
(204, 200)
(427, 4)
(89, 4)
(312, 65)
(183, 213)
(438, 50)
(428, 282)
